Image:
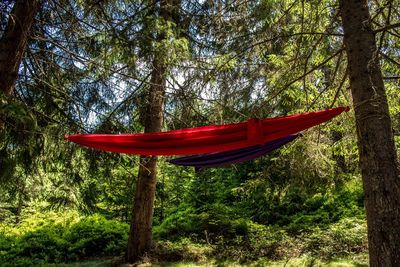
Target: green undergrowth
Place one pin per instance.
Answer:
(56, 238)
(360, 260)
(62, 238)
(305, 261)
(253, 241)
(322, 225)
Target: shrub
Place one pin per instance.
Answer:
(183, 250)
(259, 241)
(211, 221)
(55, 240)
(345, 237)
(98, 236)
(179, 223)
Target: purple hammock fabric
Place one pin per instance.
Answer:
(220, 159)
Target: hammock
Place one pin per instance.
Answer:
(221, 159)
(206, 139)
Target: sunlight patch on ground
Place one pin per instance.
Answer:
(360, 260)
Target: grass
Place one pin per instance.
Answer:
(360, 260)
(107, 262)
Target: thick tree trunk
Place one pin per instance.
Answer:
(378, 160)
(140, 236)
(13, 43)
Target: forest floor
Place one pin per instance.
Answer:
(359, 260)
(67, 240)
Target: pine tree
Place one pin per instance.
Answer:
(140, 237)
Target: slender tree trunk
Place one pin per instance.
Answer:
(378, 160)
(340, 160)
(140, 236)
(20, 204)
(13, 43)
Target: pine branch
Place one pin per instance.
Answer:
(388, 27)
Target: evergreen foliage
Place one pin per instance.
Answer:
(87, 68)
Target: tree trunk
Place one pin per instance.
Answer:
(340, 160)
(378, 159)
(13, 43)
(20, 204)
(140, 236)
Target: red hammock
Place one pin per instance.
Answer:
(206, 139)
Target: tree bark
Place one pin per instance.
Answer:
(13, 43)
(378, 159)
(140, 236)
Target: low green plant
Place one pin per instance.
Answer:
(347, 236)
(53, 238)
(96, 236)
(182, 250)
